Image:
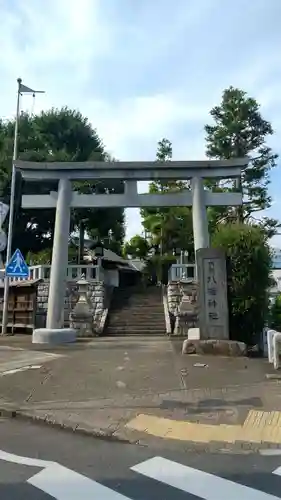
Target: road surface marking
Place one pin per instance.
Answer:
(22, 369)
(196, 482)
(16, 459)
(65, 484)
(62, 483)
(259, 427)
(277, 471)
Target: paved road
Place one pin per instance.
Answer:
(40, 463)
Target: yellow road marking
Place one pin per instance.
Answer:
(259, 426)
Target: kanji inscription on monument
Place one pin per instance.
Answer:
(213, 307)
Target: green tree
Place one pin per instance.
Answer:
(168, 227)
(137, 248)
(240, 130)
(56, 135)
(44, 257)
(249, 266)
(275, 314)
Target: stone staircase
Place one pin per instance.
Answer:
(136, 311)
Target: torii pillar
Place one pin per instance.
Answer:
(199, 215)
(59, 257)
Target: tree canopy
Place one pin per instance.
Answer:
(239, 130)
(137, 248)
(168, 227)
(56, 135)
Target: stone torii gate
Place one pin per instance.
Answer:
(130, 173)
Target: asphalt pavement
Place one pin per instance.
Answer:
(40, 463)
(142, 390)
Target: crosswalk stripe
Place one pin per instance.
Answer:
(196, 482)
(65, 484)
(62, 483)
(277, 471)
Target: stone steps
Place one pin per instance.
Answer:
(128, 326)
(133, 318)
(135, 331)
(128, 314)
(137, 313)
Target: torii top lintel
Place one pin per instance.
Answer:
(126, 170)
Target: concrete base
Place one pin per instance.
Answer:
(53, 336)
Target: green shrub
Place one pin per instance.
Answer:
(44, 257)
(248, 268)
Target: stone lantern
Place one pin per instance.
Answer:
(81, 318)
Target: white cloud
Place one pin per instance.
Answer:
(142, 118)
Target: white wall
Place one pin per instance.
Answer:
(276, 274)
(111, 277)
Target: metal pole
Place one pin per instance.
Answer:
(11, 216)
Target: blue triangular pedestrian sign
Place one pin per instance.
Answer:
(17, 267)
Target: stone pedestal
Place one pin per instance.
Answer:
(97, 299)
(81, 318)
(213, 346)
(53, 336)
(187, 314)
(174, 297)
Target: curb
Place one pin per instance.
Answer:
(99, 433)
(140, 438)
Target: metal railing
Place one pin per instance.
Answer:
(73, 272)
(179, 271)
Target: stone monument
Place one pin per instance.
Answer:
(213, 306)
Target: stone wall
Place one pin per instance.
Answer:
(42, 304)
(99, 298)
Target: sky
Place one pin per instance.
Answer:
(144, 70)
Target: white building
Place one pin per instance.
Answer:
(277, 258)
(276, 271)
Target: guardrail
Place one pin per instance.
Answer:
(273, 343)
